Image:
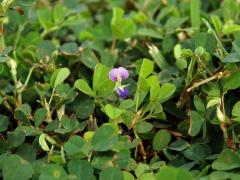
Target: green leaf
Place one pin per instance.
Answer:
(39, 116)
(230, 28)
(4, 59)
(147, 176)
(69, 124)
(16, 168)
(124, 154)
(166, 91)
(59, 13)
(141, 169)
(83, 106)
(126, 104)
(196, 122)
(168, 44)
(59, 76)
(173, 23)
(113, 112)
(89, 58)
(161, 139)
(197, 152)
(43, 142)
(236, 109)
(179, 145)
(102, 162)
(82, 169)
(144, 127)
(44, 17)
(213, 102)
(122, 27)
(231, 82)
(195, 14)
(105, 138)
(236, 46)
(154, 91)
(22, 113)
(27, 151)
(146, 68)
(6, 51)
(224, 175)
(227, 160)
(69, 49)
(83, 86)
(45, 49)
(4, 122)
(101, 82)
(127, 176)
(158, 57)
(235, 55)
(53, 172)
(77, 146)
(174, 173)
(229, 9)
(150, 33)
(127, 118)
(205, 40)
(111, 174)
(199, 103)
(217, 23)
(16, 138)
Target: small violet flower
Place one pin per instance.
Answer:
(122, 92)
(118, 74)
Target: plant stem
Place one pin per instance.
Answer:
(20, 91)
(62, 154)
(141, 146)
(113, 45)
(50, 100)
(203, 65)
(197, 84)
(223, 127)
(190, 70)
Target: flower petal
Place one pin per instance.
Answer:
(123, 72)
(113, 74)
(122, 92)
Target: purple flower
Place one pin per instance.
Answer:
(122, 92)
(118, 74)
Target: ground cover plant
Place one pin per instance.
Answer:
(119, 90)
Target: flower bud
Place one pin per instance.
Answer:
(122, 92)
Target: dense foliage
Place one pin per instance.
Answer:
(171, 111)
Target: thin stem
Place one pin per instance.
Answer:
(19, 92)
(141, 145)
(18, 35)
(190, 70)
(203, 65)
(49, 114)
(50, 154)
(215, 35)
(28, 78)
(113, 45)
(223, 126)
(98, 101)
(62, 100)
(197, 84)
(62, 154)
(90, 156)
(50, 100)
